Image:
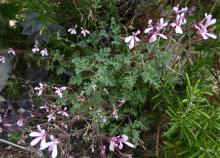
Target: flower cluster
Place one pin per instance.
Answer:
(153, 31)
(180, 19)
(203, 25)
(53, 110)
(117, 142)
(36, 49)
(41, 137)
(84, 31)
(58, 90)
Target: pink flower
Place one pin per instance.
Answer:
(59, 91)
(52, 146)
(63, 112)
(155, 31)
(117, 142)
(132, 39)
(202, 27)
(180, 20)
(35, 49)
(84, 31)
(40, 89)
(40, 136)
(72, 30)
(51, 117)
(20, 122)
(11, 51)
(178, 11)
(44, 52)
(2, 59)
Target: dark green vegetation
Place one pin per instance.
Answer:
(171, 87)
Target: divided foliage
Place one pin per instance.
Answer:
(150, 93)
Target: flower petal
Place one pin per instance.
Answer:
(63, 88)
(173, 24)
(197, 27)
(127, 39)
(39, 128)
(46, 145)
(35, 141)
(54, 152)
(204, 36)
(35, 134)
(120, 146)
(148, 30)
(213, 21)
(137, 39)
(124, 138)
(111, 146)
(179, 30)
(211, 35)
(129, 144)
(43, 143)
(161, 21)
(163, 36)
(131, 44)
(138, 32)
(153, 38)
